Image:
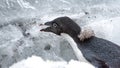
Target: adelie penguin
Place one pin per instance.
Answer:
(99, 52)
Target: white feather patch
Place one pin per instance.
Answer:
(76, 50)
(87, 32)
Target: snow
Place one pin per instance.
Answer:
(107, 29)
(38, 62)
(20, 37)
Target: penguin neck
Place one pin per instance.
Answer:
(75, 38)
(74, 42)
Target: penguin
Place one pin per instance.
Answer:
(99, 52)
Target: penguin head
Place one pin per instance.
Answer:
(62, 25)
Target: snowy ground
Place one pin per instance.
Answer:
(37, 62)
(20, 37)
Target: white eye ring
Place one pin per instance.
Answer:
(55, 25)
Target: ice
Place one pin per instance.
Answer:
(20, 35)
(8, 34)
(24, 4)
(22, 38)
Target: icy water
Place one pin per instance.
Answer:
(20, 37)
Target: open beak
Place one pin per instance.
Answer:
(43, 27)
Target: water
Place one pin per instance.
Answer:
(19, 27)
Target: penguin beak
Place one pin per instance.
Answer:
(43, 27)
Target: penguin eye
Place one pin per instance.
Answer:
(54, 25)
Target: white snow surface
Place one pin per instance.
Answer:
(38, 62)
